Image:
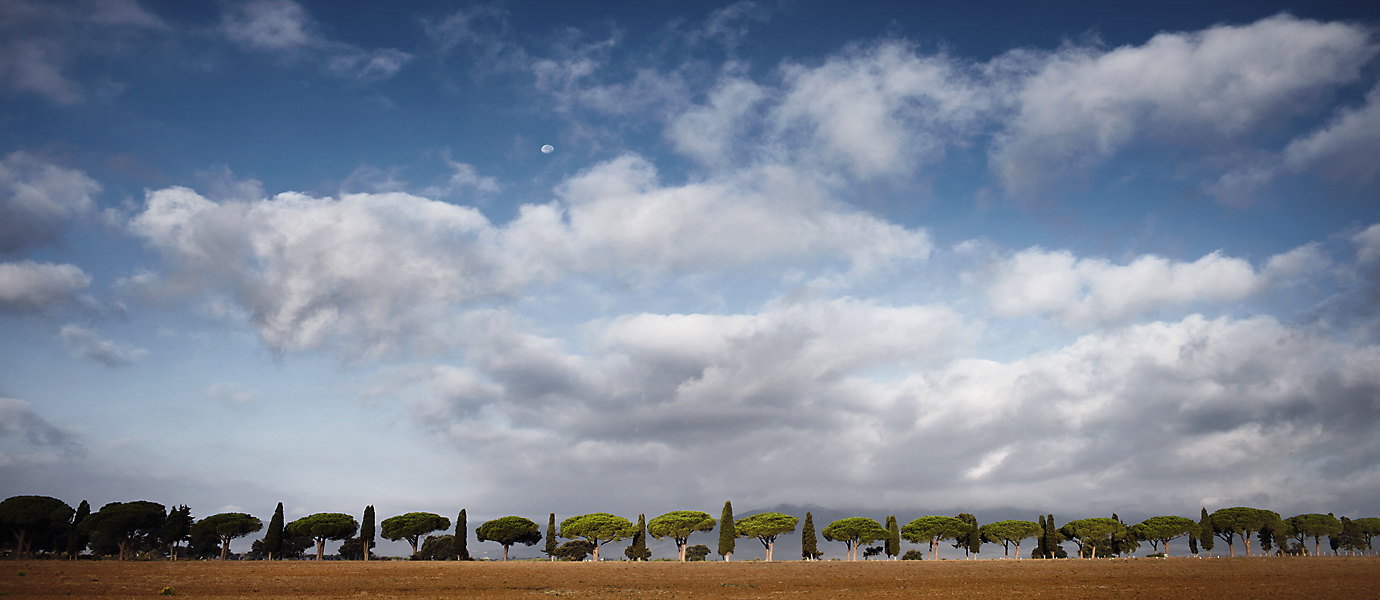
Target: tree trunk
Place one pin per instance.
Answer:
(1316, 543)
(770, 548)
(224, 547)
(320, 549)
(680, 550)
(1246, 541)
(1018, 549)
(505, 553)
(596, 550)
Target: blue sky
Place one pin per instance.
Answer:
(1005, 257)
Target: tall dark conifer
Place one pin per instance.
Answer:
(76, 538)
(273, 539)
(1042, 544)
(462, 537)
(1051, 537)
(638, 550)
(728, 536)
(366, 530)
(893, 538)
(809, 543)
(1206, 532)
(551, 543)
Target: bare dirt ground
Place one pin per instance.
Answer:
(1176, 578)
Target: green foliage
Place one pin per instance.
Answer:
(1051, 539)
(437, 547)
(353, 549)
(1090, 533)
(678, 525)
(728, 536)
(696, 553)
(225, 527)
(1368, 528)
(765, 527)
(462, 537)
(1159, 530)
(550, 549)
(893, 537)
(76, 538)
(130, 526)
(854, 531)
(322, 527)
(367, 531)
(932, 530)
(809, 542)
(597, 528)
(176, 528)
(273, 538)
(1314, 525)
(638, 550)
(508, 531)
(1228, 523)
(913, 555)
(574, 550)
(1352, 537)
(289, 546)
(971, 539)
(34, 520)
(412, 526)
(1205, 532)
(1008, 533)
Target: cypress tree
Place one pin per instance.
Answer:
(76, 539)
(551, 543)
(893, 538)
(809, 543)
(728, 536)
(1205, 532)
(638, 550)
(462, 537)
(273, 539)
(366, 530)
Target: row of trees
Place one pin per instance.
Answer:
(125, 529)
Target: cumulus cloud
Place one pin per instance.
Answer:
(88, 343)
(800, 401)
(19, 421)
(463, 177)
(41, 40)
(881, 109)
(1082, 104)
(28, 286)
(377, 272)
(37, 199)
(1081, 292)
(284, 27)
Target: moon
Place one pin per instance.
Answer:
(548, 149)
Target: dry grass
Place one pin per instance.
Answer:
(1176, 578)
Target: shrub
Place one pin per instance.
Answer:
(913, 555)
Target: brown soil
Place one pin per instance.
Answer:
(1176, 578)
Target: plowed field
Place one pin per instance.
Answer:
(1175, 578)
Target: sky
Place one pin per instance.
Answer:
(1006, 258)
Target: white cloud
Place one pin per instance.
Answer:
(879, 110)
(794, 405)
(269, 25)
(88, 343)
(1368, 244)
(713, 134)
(376, 272)
(1084, 104)
(284, 27)
(37, 198)
(1090, 291)
(463, 177)
(30, 287)
(1343, 149)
